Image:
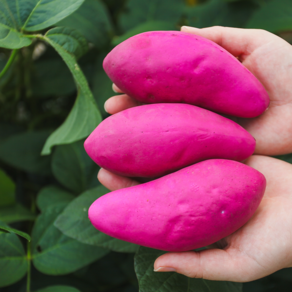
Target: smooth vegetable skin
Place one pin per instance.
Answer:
(172, 66)
(191, 208)
(156, 139)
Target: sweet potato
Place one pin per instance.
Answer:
(191, 208)
(156, 139)
(172, 66)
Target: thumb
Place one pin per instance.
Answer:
(213, 264)
(239, 42)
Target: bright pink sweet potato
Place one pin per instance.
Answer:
(172, 66)
(155, 139)
(191, 208)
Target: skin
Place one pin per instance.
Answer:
(264, 244)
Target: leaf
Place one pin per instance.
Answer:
(39, 14)
(140, 11)
(74, 222)
(19, 15)
(15, 213)
(71, 40)
(59, 289)
(167, 282)
(92, 20)
(7, 189)
(11, 39)
(84, 116)
(146, 26)
(73, 168)
(54, 253)
(52, 196)
(23, 152)
(12, 230)
(217, 12)
(275, 16)
(13, 263)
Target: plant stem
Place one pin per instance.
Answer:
(9, 62)
(29, 267)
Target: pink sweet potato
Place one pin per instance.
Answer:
(172, 66)
(191, 208)
(156, 139)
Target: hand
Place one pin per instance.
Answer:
(269, 58)
(259, 248)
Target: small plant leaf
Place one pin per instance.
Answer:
(12, 230)
(73, 168)
(13, 262)
(51, 196)
(56, 254)
(74, 222)
(84, 116)
(92, 20)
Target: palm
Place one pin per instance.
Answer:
(271, 65)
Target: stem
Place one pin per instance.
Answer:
(11, 58)
(29, 267)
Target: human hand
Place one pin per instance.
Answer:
(259, 248)
(269, 58)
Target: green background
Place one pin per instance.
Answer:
(51, 97)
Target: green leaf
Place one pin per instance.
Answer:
(23, 152)
(59, 289)
(74, 222)
(146, 26)
(73, 168)
(275, 16)
(140, 11)
(8, 130)
(15, 213)
(53, 252)
(39, 14)
(71, 40)
(13, 263)
(92, 20)
(217, 12)
(12, 230)
(33, 15)
(7, 189)
(11, 39)
(84, 116)
(52, 196)
(167, 282)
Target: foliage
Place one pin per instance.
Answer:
(52, 91)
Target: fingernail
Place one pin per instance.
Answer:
(114, 90)
(105, 107)
(188, 27)
(165, 269)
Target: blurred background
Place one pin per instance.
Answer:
(38, 92)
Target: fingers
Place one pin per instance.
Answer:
(119, 103)
(213, 264)
(239, 42)
(116, 89)
(113, 181)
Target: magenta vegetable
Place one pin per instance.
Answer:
(191, 208)
(152, 140)
(172, 66)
